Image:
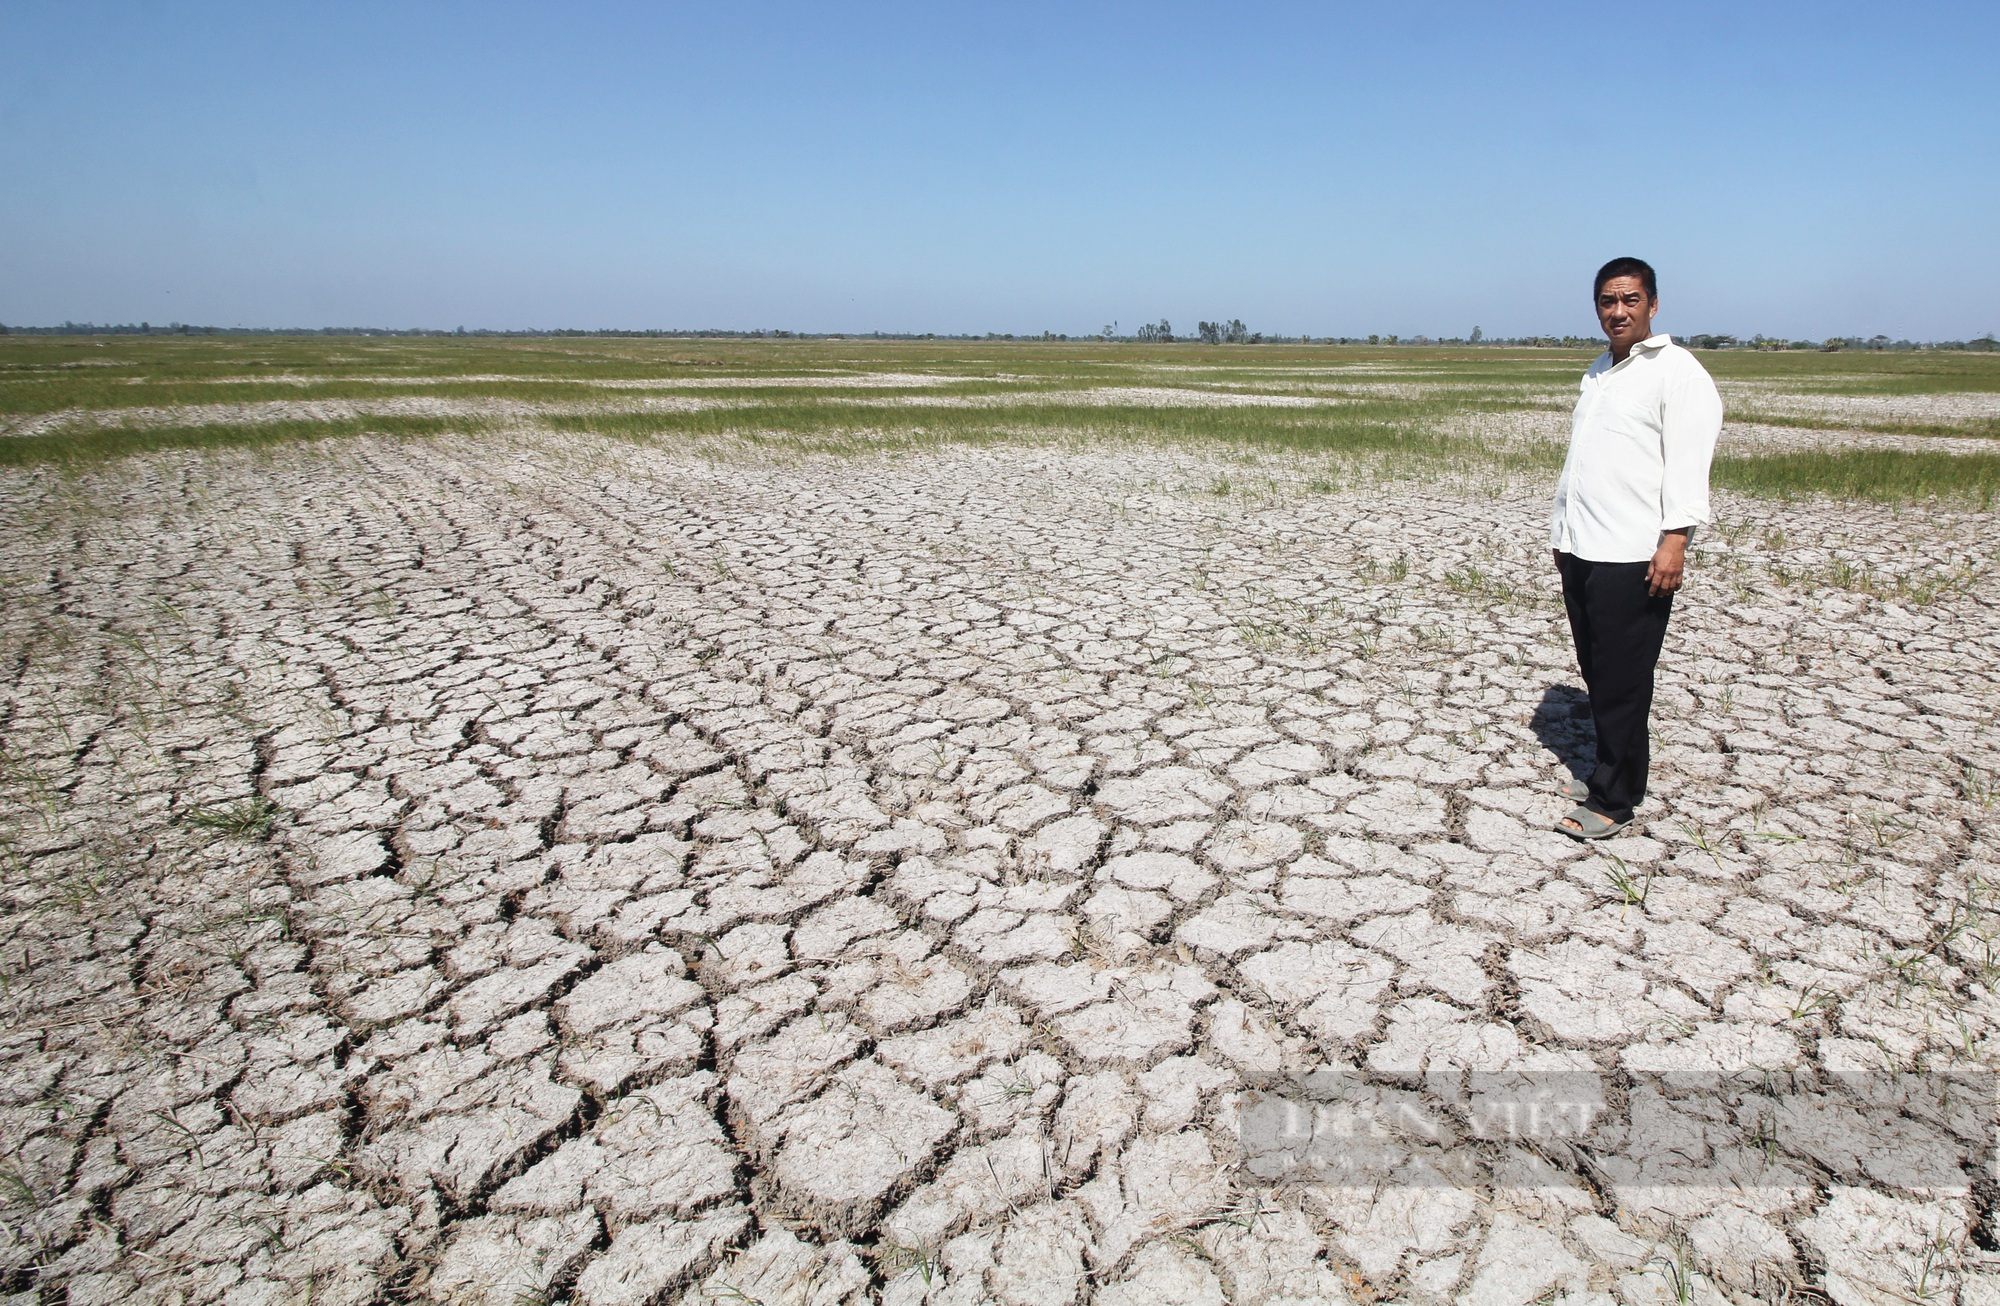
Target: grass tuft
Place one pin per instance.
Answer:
(252, 818)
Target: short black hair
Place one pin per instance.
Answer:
(1627, 267)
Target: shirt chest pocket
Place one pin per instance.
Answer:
(1629, 418)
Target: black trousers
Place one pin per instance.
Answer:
(1618, 630)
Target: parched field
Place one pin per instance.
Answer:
(623, 823)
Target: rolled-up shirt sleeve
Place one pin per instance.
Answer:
(1691, 422)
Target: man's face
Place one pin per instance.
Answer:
(1625, 312)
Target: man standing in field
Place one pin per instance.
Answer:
(1634, 487)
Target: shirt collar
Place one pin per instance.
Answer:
(1648, 345)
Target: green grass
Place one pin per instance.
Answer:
(47, 374)
(1860, 371)
(90, 446)
(1385, 426)
(1396, 408)
(1883, 474)
(1987, 428)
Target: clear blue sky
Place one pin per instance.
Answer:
(1799, 170)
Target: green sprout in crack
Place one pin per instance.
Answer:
(1939, 1261)
(1888, 827)
(1697, 833)
(1632, 889)
(1765, 1139)
(1676, 1027)
(1678, 1269)
(333, 1164)
(1811, 1001)
(252, 818)
(17, 1191)
(897, 1260)
(1244, 1214)
(1979, 787)
(191, 1139)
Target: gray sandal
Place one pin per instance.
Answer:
(1574, 789)
(1591, 825)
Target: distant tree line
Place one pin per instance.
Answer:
(1832, 344)
(532, 333)
(1232, 332)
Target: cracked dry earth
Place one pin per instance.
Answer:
(509, 872)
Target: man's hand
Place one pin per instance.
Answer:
(1663, 573)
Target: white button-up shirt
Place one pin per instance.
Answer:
(1639, 449)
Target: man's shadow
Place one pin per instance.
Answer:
(1562, 723)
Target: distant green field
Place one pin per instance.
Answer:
(84, 398)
